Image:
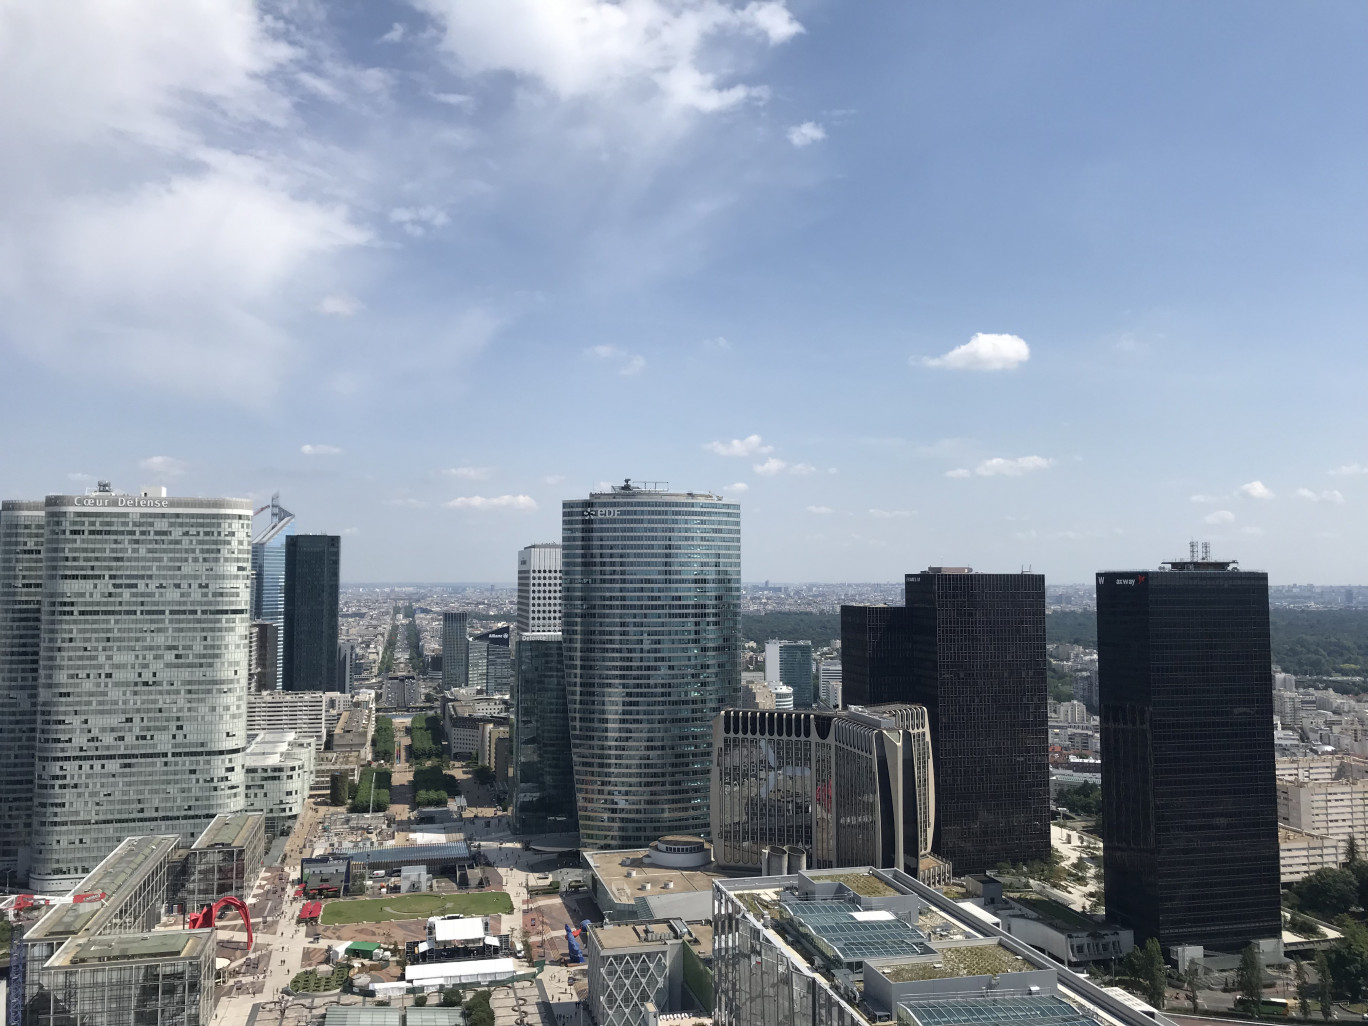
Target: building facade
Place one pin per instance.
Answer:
(850, 788)
(312, 567)
(302, 712)
(263, 656)
(539, 589)
(1192, 827)
(876, 655)
(455, 651)
(1333, 808)
(278, 777)
(21, 615)
(491, 662)
(142, 704)
(543, 772)
(978, 660)
(829, 691)
(790, 663)
(268, 578)
(652, 592)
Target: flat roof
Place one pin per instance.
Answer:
(160, 945)
(413, 853)
(857, 933)
(452, 928)
(624, 872)
(1036, 1010)
(231, 829)
(955, 959)
(124, 867)
(475, 970)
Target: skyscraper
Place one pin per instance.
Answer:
(21, 611)
(455, 651)
(978, 665)
(1188, 789)
(652, 594)
(268, 578)
(876, 655)
(312, 567)
(142, 699)
(539, 589)
(543, 773)
(790, 663)
(491, 663)
(263, 655)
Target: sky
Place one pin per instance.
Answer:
(1058, 285)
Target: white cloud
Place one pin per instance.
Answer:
(770, 467)
(1221, 516)
(1350, 469)
(740, 486)
(1205, 498)
(417, 221)
(408, 503)
(1256, 490)
(340, 305)
(802, 469)
(595, 49)
(716, 343)
(320, 450)
(1000, 467)
(806, 134)
(1330, 495)
(469, 473)
(819, 509)
(984, 352)
(396, 34)
(1251, 530)
(164, 465)
(351, 532)
(80, 477)
(628, 363)
(959, 472)
(751, 445)
(889, 514)
(553, 479)
(493, 502)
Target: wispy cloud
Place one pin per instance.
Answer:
(751, 445)
(408, 503)
(889, 514)
(553, 479)
(1349, 469)
(802, 469)
(1329, 495)
(1220, 516)
(1256, 490)
(740, 486)
(770, 467)
(320, 450)
(719, 342)
(806, 134)
(167, 465)
(821, 510)
(1205, 498)
(983, 352)
(999, 466)
(627, 363)
(418, 221)
(493, 502)
(340, 305)
(469, 473)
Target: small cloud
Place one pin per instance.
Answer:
(1330, 495)
(740, 486)
(396, 34)
(493, 502)
(351, 532)
(716, 343)
(959, 472)
(983, 352)
(320, 450)
(553, 479)
(1205, 498)
(806, 134)
(628, 363)
(751, 445)
(468, 473)
(889, 514)
(1251, 530)
(164, 465)
(1256, 490)
(453, 99)
(1349, 469)
(802, 469)
(770, 467)
(418, 220)
(999, 467)
(80, 477)
(410, 503)
(340, 305)
(819, 509)
(1221, 516)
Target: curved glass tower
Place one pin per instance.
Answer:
(652, 624)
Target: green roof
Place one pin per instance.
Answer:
(366, 946)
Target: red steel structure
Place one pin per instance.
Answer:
(206, 916)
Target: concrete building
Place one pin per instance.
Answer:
(661, 963)
(1332, 808)
(539, 589)
(790, 663)
(1070, 937)
(225, 859)
(301, 712)
(652, 616)
(455, 651)
(829, 689)
(22, 535)
(1301, 853)
(783, 696)
(671, 878)
(142, 673)
(756, 694)
(279, 775)
(849, 788)
(268, 586)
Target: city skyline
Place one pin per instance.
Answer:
(1049, 288)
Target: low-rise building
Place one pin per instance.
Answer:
(1301, 853)
(1067, 936)
(279, 773)
(1332, 808)
(300, 711)
(672, 879)
(663, 963)
(225, 859)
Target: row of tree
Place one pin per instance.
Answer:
(425, 737)
(382, 739)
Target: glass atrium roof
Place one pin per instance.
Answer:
(1040, 1010)
(852, 934)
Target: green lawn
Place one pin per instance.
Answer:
(415, 906)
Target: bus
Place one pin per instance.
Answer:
(1268, 1007)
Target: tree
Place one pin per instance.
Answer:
(1191, 976)
(478, 1012)
(1348, 958)
(1351, 852)
(1155, 974)
(337, 793)
(1303, 991)
(1327, 893)
(1326, 981)
(419, 1000)
(451, 998)
(484, 775)
(1249, 978)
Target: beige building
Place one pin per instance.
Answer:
(279, 774)
(299, 711)
(1336, 808)
(1300, 853)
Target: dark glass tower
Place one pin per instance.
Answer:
(312, 565)
(21, 613)
(543, 772)
(455, 651)
(978, 665)
(876, 655)
(1188, 793)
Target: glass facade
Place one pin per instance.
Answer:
(312, 565)
(1188, 789)
(876, 655)
(142, 708)
(543, 772)
(268, 580)
(491, 662)
(790, 663)
(978, 666)
(21, 612)
(652, 591)
(455, 651)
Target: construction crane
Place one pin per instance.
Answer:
(20, 902)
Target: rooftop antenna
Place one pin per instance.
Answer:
(1192, 551)
(1206, 552)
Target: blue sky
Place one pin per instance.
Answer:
(1059, 285)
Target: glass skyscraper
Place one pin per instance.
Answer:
(21, 611)
(455, 650)
(312, 566)
(876, 655)
(268, 578)
(1188, 789)
(651, 610)
(790, 663)
(543, 775)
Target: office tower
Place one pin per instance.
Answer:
(652, 600)
(21, 610)
(455, 651)
(1188, 790)
(539, 588)
(978, 665)
(876, 655)
(829, 684)
(543, 774)
(263, 655)
(853, 788)
(312, 565)
(346, 661)
(142, 703)
(491, 666)
(268, 577)
(790, 663)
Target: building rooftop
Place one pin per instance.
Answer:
(158, 946)
(1056, 913)
(975, 958)
(1039, 1010)
(628, 876)
(231, 830)
(852, 934)
(414, 853)
(861, 883)
(117, 876)
(619, 936)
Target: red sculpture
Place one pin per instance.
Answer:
(204, 918)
